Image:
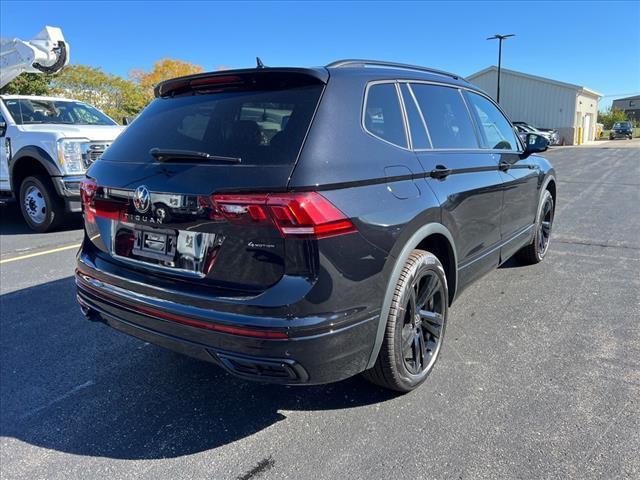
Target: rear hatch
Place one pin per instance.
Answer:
(193, 188)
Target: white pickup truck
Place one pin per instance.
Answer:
(46, 145)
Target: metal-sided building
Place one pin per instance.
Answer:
(544, 102)
(630, 106)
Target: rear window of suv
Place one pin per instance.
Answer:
(261, 127)
(446, 115)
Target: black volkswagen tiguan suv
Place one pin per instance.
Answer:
(303, 225)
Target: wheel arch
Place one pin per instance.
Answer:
(29, 161)
(548, 184)
(551, 186)
(432, 236)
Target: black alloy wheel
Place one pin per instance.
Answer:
(415, 325)
(423, 322)
(544, 227)
(537, 249)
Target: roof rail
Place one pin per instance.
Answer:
(378, 63)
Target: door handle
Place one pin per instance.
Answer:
(440, 172)
(504, 166)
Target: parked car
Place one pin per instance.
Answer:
(621, 130)
(46, 144)
(524, 131)
(550, 134)
(303, 225)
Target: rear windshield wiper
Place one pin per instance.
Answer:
(166, 154)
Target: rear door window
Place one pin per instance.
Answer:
(495, 129)
(261, 127)
(383, 116)
(446, 115)
(419, 136)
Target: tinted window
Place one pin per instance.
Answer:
(260, 127)
(382, 115)
(495, 129)
(446, 115)
(419, 137)
(30, 111)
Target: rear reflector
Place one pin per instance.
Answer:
(245, 332)
(296, 215)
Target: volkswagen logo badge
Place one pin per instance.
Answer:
(141, 199)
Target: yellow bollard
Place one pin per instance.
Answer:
(579, 135)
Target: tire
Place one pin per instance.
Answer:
(41, 207)
(539, 246)
(415, 326)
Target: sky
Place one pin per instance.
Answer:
(592, 44)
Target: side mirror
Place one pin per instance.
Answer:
(3, 128)
(535, 143)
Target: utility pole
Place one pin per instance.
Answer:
(500, 38)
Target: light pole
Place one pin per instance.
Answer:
(500, 38)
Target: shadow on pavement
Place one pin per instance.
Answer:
(513, 262)
(12, 223)
(74, 386)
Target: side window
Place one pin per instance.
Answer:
(446, 115)
(419, 136)
(382, 114)
(495, 129)
(14, 110)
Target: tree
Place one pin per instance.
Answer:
(27, 84)
(162, 70)
(112, 94)
(611, 116)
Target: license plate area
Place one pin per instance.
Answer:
(155, 244)
(181, 252)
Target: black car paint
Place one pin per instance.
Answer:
(331, 295)
(621, 130)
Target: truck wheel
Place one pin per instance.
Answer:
(415, 325)
(41, 207)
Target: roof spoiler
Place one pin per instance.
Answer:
(249, 77)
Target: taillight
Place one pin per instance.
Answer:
(241, 208)
(95, 207)
(296, 215)
(87, 193)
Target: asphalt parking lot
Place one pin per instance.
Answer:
(539, 376)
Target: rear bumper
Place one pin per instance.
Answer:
(329, 355)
